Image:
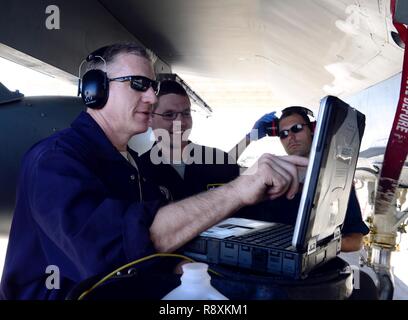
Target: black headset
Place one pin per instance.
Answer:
(94, 85)
(274, 131)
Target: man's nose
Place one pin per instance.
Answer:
(149, 96)
(291, 136)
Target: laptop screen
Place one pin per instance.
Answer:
(330, 173)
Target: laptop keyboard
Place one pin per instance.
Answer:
(278, 235)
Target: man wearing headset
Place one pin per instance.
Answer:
(174, 162)
(295, 131)
(83, 206)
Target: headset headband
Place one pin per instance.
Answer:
(298, 109)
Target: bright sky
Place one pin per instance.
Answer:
(32, 83)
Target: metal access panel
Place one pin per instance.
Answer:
(24, 121)
(401, 11)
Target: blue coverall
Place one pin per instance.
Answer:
(78, 208)
(199, 176)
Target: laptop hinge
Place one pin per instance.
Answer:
(312, 245)
(337, 233)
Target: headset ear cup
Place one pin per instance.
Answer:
(275, 128)
(95, 89)
(313, 126)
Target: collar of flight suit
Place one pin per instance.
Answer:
(101, 146)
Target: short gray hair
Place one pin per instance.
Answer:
(109, 53)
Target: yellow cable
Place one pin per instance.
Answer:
(133, 263)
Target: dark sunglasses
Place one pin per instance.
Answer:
(140, 83)
(283, 134)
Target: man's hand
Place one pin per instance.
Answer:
(263, 126)
(269, 178)
(179, 222)
(351, 242)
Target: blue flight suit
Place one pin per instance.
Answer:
(78, 208)
(198, 177)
